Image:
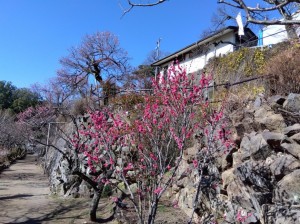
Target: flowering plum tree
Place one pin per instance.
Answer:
(80, 145)
(145, 154)
(100, 142)
(168, 122)
(154, 142)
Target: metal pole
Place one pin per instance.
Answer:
(48, 135)
(157, 56)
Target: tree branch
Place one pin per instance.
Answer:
(252, 11)
(132, 5)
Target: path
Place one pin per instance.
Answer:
(24, 197)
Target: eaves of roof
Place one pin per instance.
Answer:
(198, 43)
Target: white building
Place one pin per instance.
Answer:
(274, 34)
(195, 56)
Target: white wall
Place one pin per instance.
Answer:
(274, 34)
(197, 63)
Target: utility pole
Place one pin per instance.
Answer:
(157, 55)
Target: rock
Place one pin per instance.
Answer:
(184, 169)
(84, 190)
(276, 99)
(190, 153)
(274, 139)
(237, 158)
(236, 117)
(258, 102)
(185, 199)
(183, 182)
(237, 194)
(227, 177)
(254, 173)
(134, 188)
(239, 129)
(175, 189)
(292, 103)
(259, 148)
(279, 214)
(288, 189)
(226, 159)
(245, 146)
(296, 138)
(243, 122)
(263, 197)
(283, 165)
(293, 149)
(292, 130)
(267, 119)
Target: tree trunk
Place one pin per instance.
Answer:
(94, 205)
(291, 31)
(153, 211)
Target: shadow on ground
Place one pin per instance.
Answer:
(15, 196)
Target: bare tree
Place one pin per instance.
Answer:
(255, 14)
(259, 13)
(99, 56)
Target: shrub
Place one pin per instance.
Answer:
(285, 71)
(128, 101)
(80, 107)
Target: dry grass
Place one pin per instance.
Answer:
(285, 70)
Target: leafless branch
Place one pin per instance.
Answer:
(276, 5)
(133, 4)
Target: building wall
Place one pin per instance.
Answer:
(274, 34)
(198, 62)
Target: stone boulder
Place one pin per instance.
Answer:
(280, 214)
(292, 130)
(254, 173)
(274, 139)
(296, 138)
(259, 148)
(267, 119)
(283, 164)
(288, 189)
(293, 149)
(277, 99)
(292, 103)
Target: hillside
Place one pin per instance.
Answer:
(234, 158)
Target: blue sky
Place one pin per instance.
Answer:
(35, 34)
